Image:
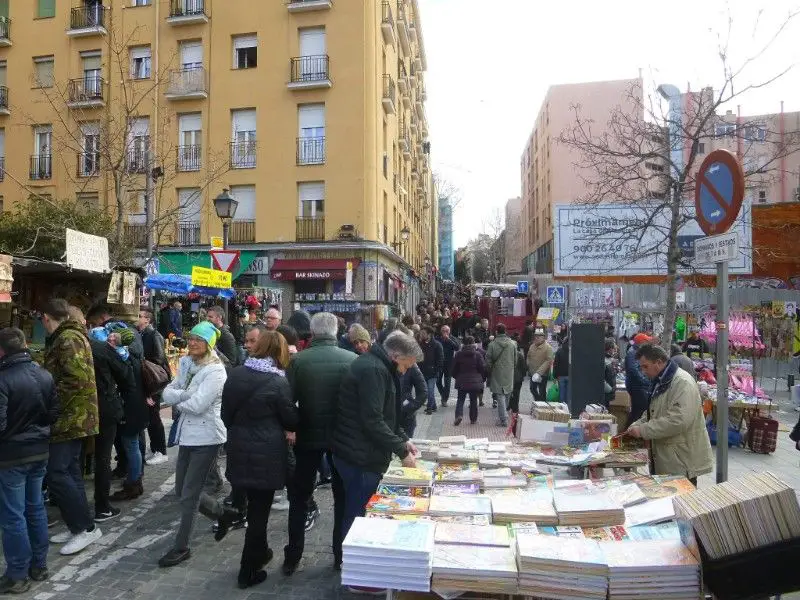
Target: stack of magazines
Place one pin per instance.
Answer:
(587, 507)
(742, 514)
(473, 568)
(385, 553)
(651, 569)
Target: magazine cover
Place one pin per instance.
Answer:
(401, 504)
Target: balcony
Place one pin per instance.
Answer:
(242, 232)
(189, 158)
(2, 168)
(5, 31)
(136, 234)
(423, 90)
(310, 229)
(414, 173)
(402, 78)
(402, 26)
(187, 12)
(309, 72)
(86, 92)
(389, 95)
(387, 23)
(41, 167)
(405, 140)
(88, 20)
(186, 84)
(187, 233)
(296, 6)
(243, 155)
(412, 30)
(311, 151)
(4, 110)
(136, 161)
(88, 164)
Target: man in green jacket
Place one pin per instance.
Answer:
(68, 358)
(674, 421)
(501, 356)
(315, 375)
(367, 430)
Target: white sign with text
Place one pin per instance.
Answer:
(87, 252)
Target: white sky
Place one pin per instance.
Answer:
(490, 63)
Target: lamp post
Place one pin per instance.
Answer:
(225, 206)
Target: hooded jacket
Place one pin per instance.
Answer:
(68, 358)
(501, 357)
(469, 369)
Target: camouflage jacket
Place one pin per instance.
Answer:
(68, 357)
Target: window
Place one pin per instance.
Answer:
(140, 62)
(245, 52)
(311, 197)
(189, 142)
(311, 143)
(243, 139)
(2, 205)
(246, 196)
(89, 201)
(191, 55)
(136, 208)
(46, 9)
(138, 142)
(41, 161)
(655, 167)
(89, 160)
(189, 203)
(755, 133)
(141, 3)
(725, 129)
(43, 71)
(92, 74)
(698, 147)
(762, 196)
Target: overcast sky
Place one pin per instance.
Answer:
(490, 63)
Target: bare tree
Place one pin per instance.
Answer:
(647, 156)
(447, 191)
(120, 138)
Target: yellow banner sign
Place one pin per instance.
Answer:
(211, 278)
(216, 242)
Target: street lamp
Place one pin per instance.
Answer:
(226, 206)
(405, 234)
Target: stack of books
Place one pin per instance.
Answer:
(456, 489)
(446, 506)
(587, 507)
(458, 473)
(472, 535)
(561, 567)
(407, 476)
(652, 569)
(472, 568)
(740, 515)
(536, 506)
(385, 553)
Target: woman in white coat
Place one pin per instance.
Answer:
(196, 392)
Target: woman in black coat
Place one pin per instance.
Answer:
(469, 371)
(257, 410)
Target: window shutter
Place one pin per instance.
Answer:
(192, 122)
(245, 41)
(140, 52)
(3, 9)
(246, 196)
(47, 8)
(244, 120)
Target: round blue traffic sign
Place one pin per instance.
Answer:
(719, 192)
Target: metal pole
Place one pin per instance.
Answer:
(722, 372)
(150, 242)
(225, 226)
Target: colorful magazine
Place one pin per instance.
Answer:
(403, 490)
(397, 504)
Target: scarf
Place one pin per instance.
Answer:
(264, 365)
(664, 380)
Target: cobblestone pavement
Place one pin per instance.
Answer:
(124, 563)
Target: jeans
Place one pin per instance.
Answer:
(359, 486)
(65, 483)
(191, 471)
(155, 428)
(23, 519)
(133, 454)
(103, 444)
(431, 383)
(443, 384)
(300, 492)
(502, 415)
(563, 390)
(473, 404)
(254, 552)
(539, 390)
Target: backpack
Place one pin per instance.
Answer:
(154, 378)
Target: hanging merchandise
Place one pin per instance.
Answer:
(680, 329)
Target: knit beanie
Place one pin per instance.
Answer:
(206, 331)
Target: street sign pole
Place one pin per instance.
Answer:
(722, 371)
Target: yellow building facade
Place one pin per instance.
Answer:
(311, 112)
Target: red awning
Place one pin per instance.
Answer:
(309, 269)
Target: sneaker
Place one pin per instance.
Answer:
(457, 422)
(494, 404)
(281, 504)
(51, 521)
(61, 538)
(81, 541)
(174, 557)
(38, 574)
(311, 519)
(361, 590)
(157, 459)
(106, 515)
(323, 482)
(14, 586)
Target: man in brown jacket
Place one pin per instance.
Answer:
(540, 361)
(674, 422)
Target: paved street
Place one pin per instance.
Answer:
(123, 565)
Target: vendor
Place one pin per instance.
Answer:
(695, 344)
(674, 422)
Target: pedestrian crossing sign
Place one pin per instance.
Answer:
(556, 294)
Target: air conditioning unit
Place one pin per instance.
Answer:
(348, 232)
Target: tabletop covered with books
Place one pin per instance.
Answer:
(493, 518)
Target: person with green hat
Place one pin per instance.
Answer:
(196, 392)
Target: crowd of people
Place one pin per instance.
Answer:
(289, 406)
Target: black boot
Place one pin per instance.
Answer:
(230, 519)
(248, 577)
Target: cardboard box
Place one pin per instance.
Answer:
(621, 399)
(534, 430)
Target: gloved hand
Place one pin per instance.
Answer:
(536, 378)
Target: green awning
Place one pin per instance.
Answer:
(181, 263)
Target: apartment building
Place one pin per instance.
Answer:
(446, 238)
(310, 112)
(514, 249)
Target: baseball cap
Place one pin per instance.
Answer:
(642, 338)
